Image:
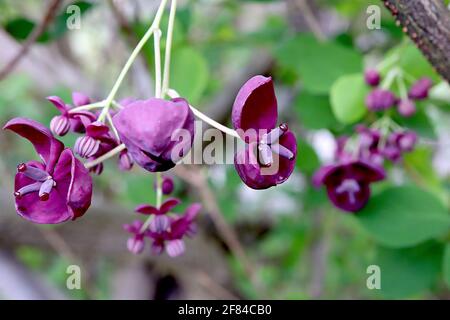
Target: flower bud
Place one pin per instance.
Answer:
(372, 77)
(406, 108)
(60, 125)
(420, 89)
(86, 146)
(380, 99)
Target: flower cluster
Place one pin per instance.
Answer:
(164, 229)
(381, 98)
(360, 159)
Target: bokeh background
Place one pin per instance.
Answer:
(284, 243)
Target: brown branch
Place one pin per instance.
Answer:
(427, 23)
(35, 34)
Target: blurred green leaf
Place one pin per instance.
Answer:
(319, 64)
(189, 73)
(314, 111)
(408, 272)
(348, 98)
(446, 265)
(404, 216)
(307, 160)
(419, 122)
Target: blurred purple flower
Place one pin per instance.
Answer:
(380, 99)
(348, 183)
(372, 77)
(419, 90)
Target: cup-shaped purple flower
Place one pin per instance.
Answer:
(269, 155)
(348, 184)
(136, 242)
(52, 191)
(152, 130)
(419, 90)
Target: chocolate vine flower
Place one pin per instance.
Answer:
(380, 99)
(406, 107)
(348, 183)
(61, 124)
(172, 239)
(161, 221)
(270, 152)
(52, 191)
(150, 129)
(135, 244)
(419, 90)
(372, 77)
(96, 142)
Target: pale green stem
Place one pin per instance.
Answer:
(157, 45)
(132, 58)
(168, 51)
(87, 107)
(402, 87)
(113, 127)
(390, 78)
(106, 156)
(173, 94)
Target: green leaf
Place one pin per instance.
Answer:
(419, 122)
(348, 98)
(404, 216)
(307, 160)
(20, 28)
(314, 111)
(189, 73)
(413, 62)
(409, 272)
(319, 64)
(446, 265)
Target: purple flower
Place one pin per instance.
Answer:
(372, 77)
(52, 191)
(135, 244)
(167, 185)
(148, 127)
(125, 161)
(404, 140)
(254, 117)
(61, 124)
(172, 238)
(96, 142)
(419, 90)
(380, 99)
(406, 107)
(348, 183)
(161, 221)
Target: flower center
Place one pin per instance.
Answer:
(43, 184)
(349, 186)
(269, 144)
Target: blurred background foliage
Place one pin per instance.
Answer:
(300, 247)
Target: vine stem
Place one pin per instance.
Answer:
(132, 58)
(167, 57)
(87, 107)
(173, 94)
(106, 156)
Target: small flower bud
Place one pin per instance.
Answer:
(372, 77)
(380, 99)
(420, 89)
(167, 185)
(406, 108)
(86, 146)
(125, 161)
(60, 125)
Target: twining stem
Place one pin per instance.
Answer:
(99, 104)
(173, 94)
(132, 58)
(168, 51)
(106, 156)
